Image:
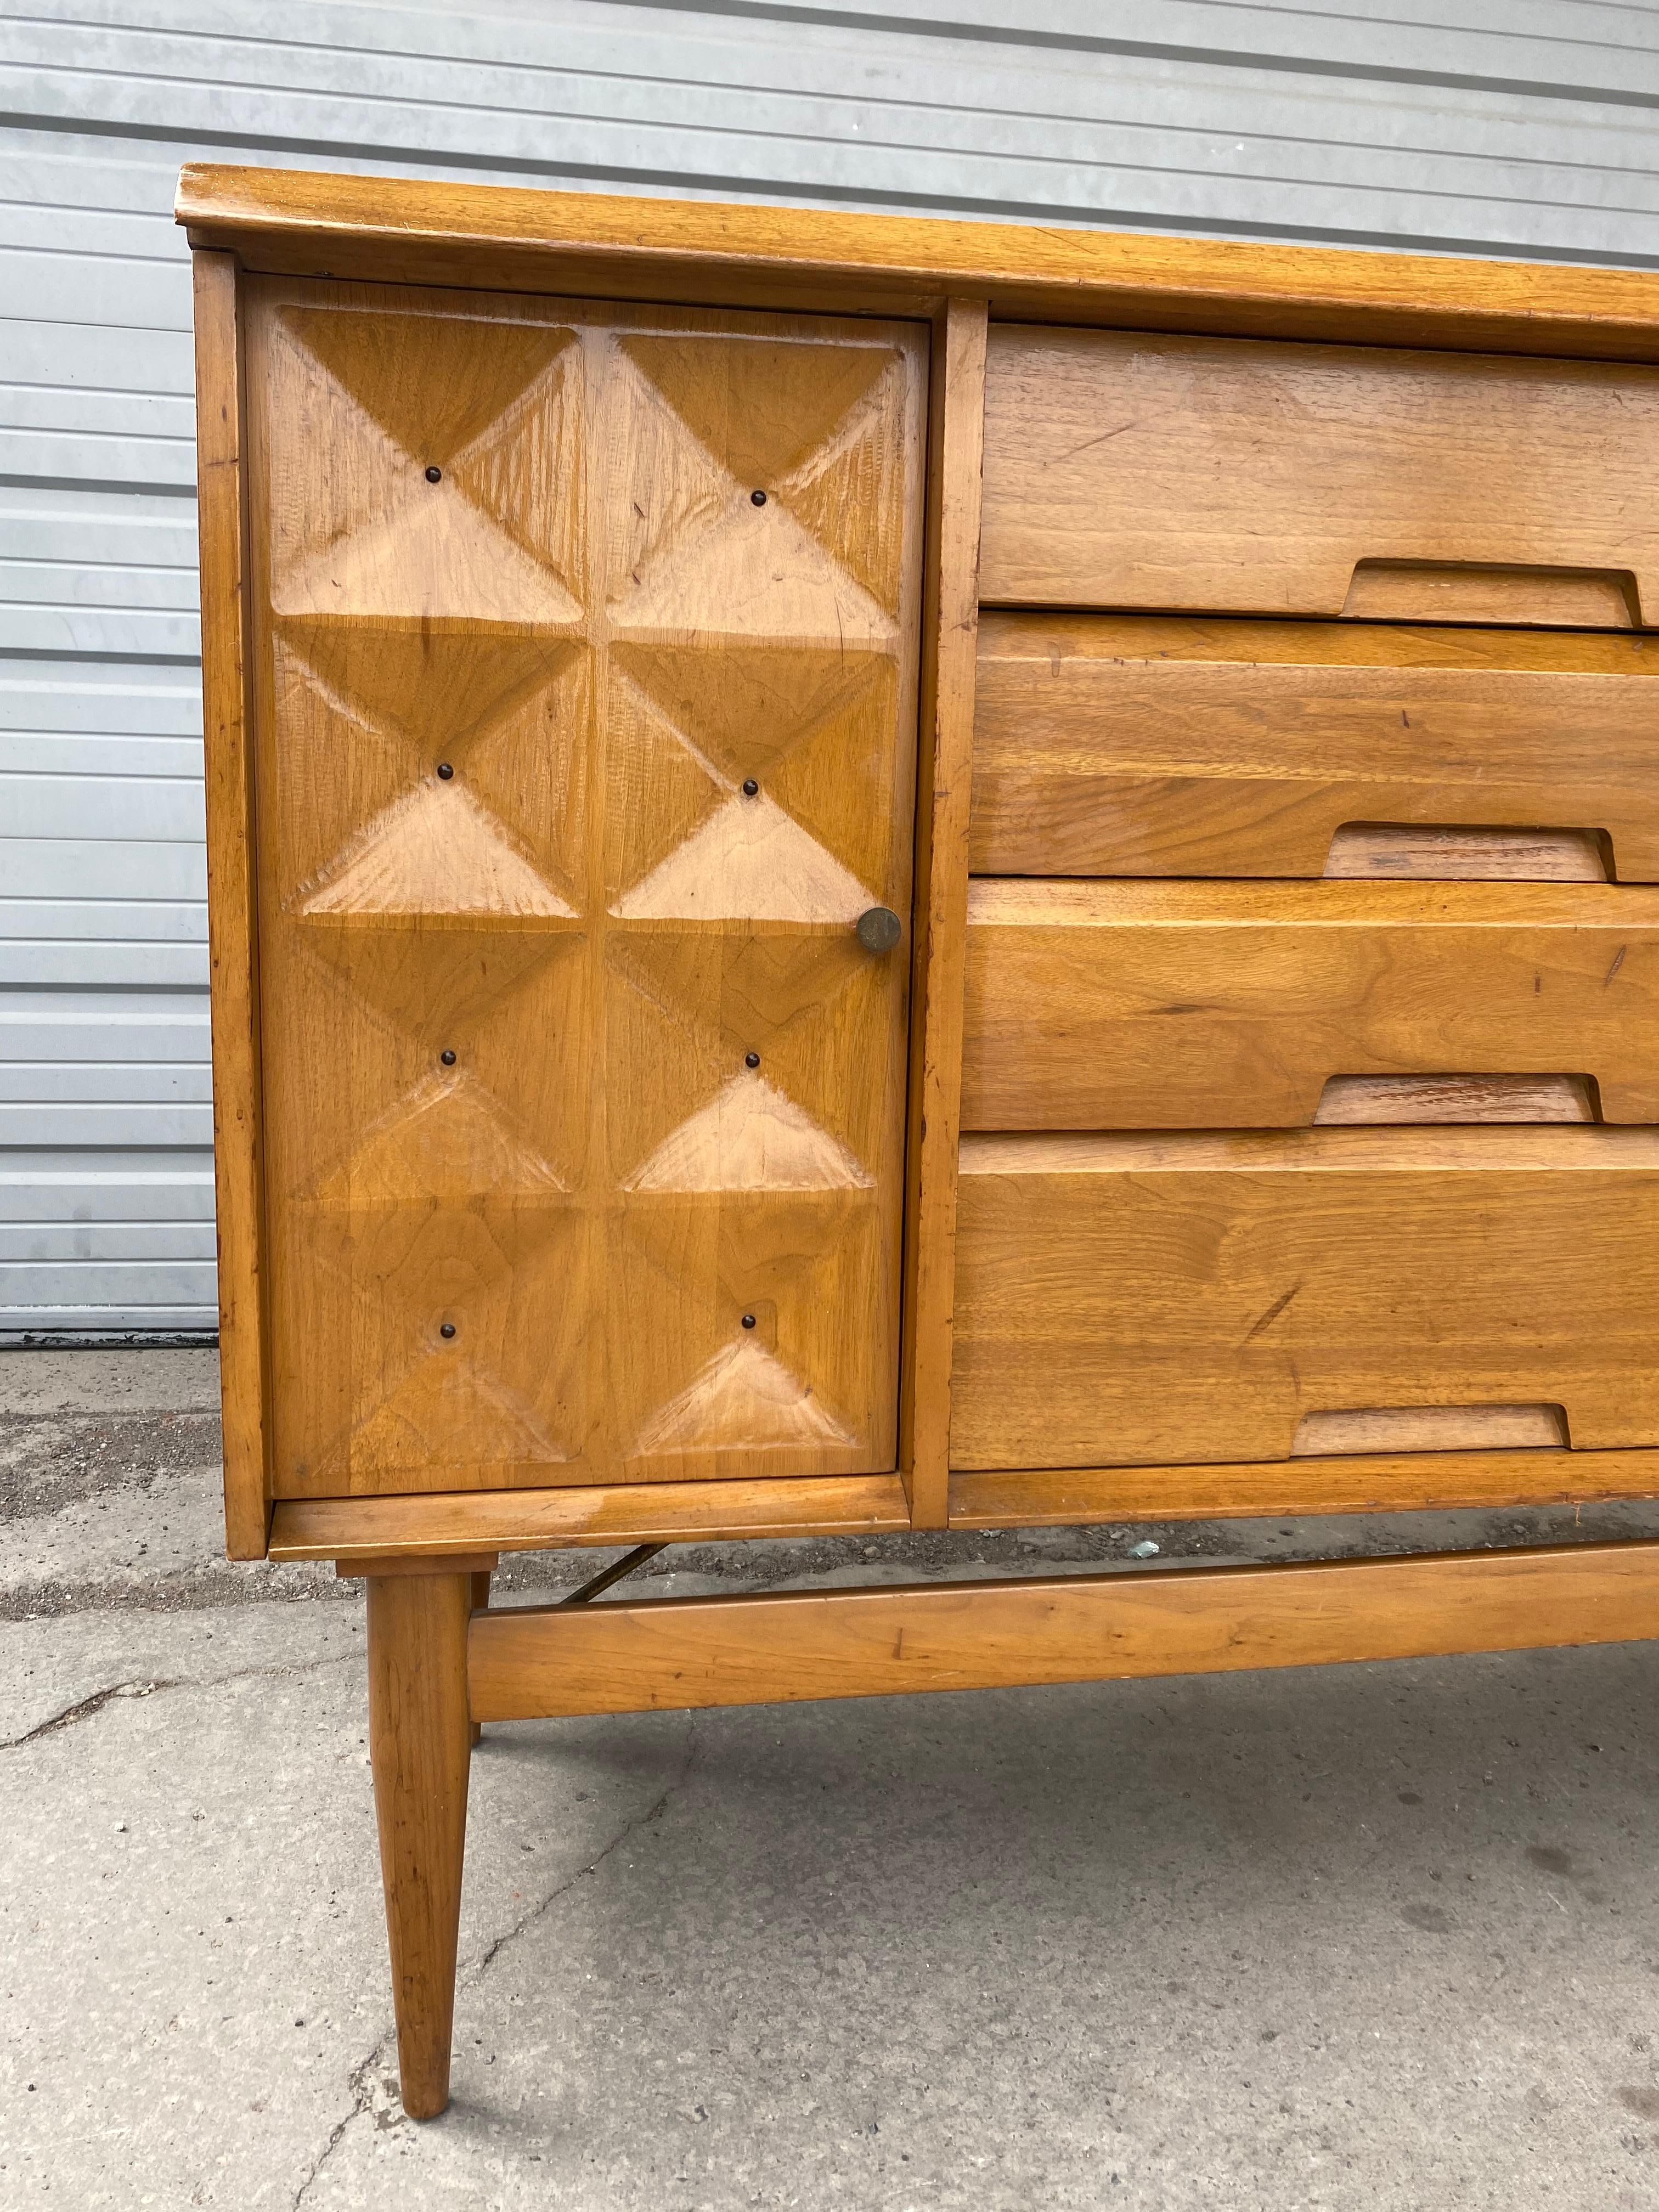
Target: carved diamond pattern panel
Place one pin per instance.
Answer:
(586, 703)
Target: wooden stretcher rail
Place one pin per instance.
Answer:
(448, 1522)
(667, 1654)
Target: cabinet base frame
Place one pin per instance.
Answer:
(440, 1665)
(538, 1662)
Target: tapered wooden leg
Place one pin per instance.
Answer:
(420, 1735)
(480, 1604)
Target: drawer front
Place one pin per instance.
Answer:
(1143, 1299)
(586, 710)
(1245, 476)
(1187, 1006)
(1127, 745)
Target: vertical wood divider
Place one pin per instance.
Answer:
(956, 438)
(238, 1180)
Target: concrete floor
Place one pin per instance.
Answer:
(1378, 1935)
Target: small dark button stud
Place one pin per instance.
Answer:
(757, 498)
(750, 786)
(448, 1058)
(752, 1060)
(434, 475)
(447, 1328)
(445, 771)
(749, 1320)
(879, 929)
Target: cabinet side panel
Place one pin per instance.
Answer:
(233, 937)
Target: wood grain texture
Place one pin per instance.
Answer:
(420, 1735)
(1385, 851)
(950, 637)
(1431, 1429)
(587, 712)
(238, 1149)
(438, 1524)
(622, 1657)
(1228, 475)
(419, 230)
(1162, 1299)
(1188, 1005)
(1366, 1100)
(1358, 1482)
(477, 1566)
(1426, 591)
(1111, 745)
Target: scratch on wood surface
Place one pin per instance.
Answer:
(1267, 1319)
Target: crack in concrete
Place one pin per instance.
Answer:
(361, 2082)
(361, 2078)
(653, 1811)
(84, 1709)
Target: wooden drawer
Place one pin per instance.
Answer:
(1124, 1299)
(1182, 1006)
(1129, 746)
(1124, 469)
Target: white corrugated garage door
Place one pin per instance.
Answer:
(1511, 126)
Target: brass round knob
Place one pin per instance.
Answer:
(879, 929)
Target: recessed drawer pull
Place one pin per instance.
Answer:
(1432, 1428)
(1430, 852)
(1354, 1100)
(1452, 592)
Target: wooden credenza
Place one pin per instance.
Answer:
(873, 874)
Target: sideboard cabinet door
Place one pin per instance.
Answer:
(584, 690)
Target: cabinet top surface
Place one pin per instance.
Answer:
(305, 222)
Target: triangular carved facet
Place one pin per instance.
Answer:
(749, 861)
(745, 707)
(432, 383)
(447, 1141)
(759, 405)
(847, 492)
(435, 851)
(754, 572)
(420, 683)
(447, 1408)
(433, 555)
(744, 1398)
(752, 1137)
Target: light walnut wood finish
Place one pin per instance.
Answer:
(307, 222)
(623, 1657)
(1162, 1299)
(238, 1146)
(1349, 1101)
(1113, 745)
(1418, 1480)
(1431, 1429)
(1228, 475)
(537, 1218)
(1187, 1006)
(949, 634)
(437, 1524)
(420, 1736)
(1384, 852)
